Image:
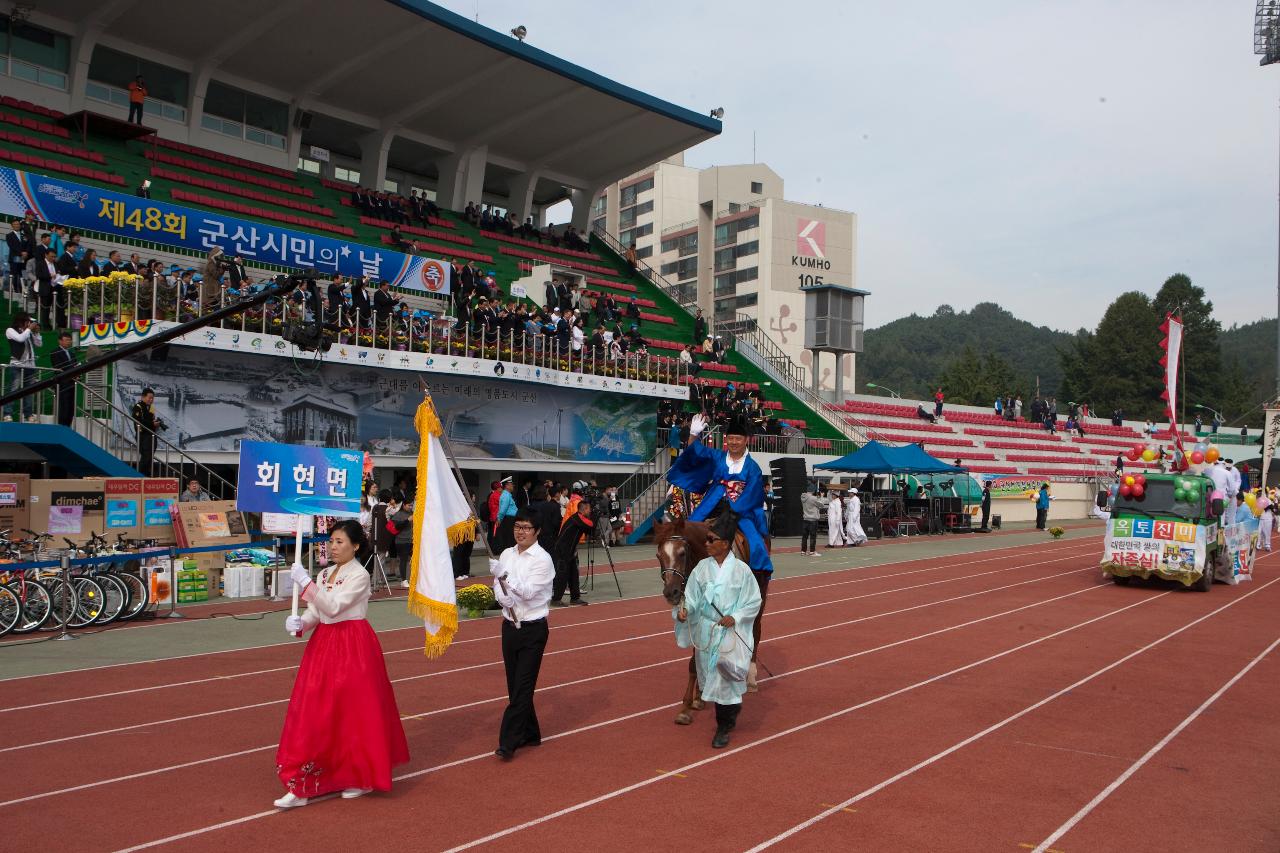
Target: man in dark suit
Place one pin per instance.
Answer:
(239, 275)
(63, 359)
(146, 424)
(17, 254)
(383, 303)
(551, 300)
(144, 189)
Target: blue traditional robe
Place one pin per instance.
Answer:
(730, 589)
(705, 470)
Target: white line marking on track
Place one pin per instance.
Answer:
(1150, 753)
(683, 658)
(987, 554)
(149, 724)
(677, 772)
(933, 759)
(488, 637)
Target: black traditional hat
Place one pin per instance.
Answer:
(739, 425)
(725, 526)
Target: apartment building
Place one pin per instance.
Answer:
(728, 235)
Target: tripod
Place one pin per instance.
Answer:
(380, 573)
(591, 561)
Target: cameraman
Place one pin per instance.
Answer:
(24, 336)
(613, 507)
(144, 417)
(572, 530)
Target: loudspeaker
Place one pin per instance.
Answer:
(790, 477)
(302, 119)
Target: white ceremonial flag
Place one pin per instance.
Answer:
(442, 518)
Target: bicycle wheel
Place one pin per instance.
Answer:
(36, 608)
(115, 597)
(87, 599)
(10, 610)
(139, 595)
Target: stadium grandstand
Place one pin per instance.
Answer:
(306, 140)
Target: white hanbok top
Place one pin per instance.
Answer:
(339, 594)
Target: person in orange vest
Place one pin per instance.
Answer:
(137, 97)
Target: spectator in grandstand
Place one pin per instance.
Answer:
(938, 399)
(88, 265)
(133, 266)
(923, 414)
(1217, 423)
(717, 348)
(114, 263)
(144, 189)
(398, 240)
(1051, 423)
(1119, 464)
(1017, 407)
(633, 309)
(18, 251)
(699, 328)
(335, 296)
(1117, 418)
(50, 290)
(42, 247)
(530, 231)
(137, 97)
(193, 493)
(632, 259)
(383, 303)
(999, 407)
(237, 273)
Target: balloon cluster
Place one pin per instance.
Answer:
(1201, 456)
(1133, 486)
(1256, 503)
(1187, 490)
(1142, 451)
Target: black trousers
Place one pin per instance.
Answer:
(1042, 516)
(986, 515)
(566, 575)
(461, 556)
(522, 650)
(135, 110)
(727, 715)
(66, 403)
(146, 451)
(809, 537)
(506, 533)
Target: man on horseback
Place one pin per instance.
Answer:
(730, 481)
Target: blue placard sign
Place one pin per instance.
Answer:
(299, 479)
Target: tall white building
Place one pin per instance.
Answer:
(729, 236)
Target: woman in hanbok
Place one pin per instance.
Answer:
(342, 731)
(835, 522)
(717, 617)
(853, 532)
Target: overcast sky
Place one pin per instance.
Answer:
(1045, 156)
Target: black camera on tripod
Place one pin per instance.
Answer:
(313, 336)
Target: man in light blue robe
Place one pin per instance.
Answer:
(716, 617)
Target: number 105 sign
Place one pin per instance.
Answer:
(299, 479)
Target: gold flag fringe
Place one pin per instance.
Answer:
(441, 614)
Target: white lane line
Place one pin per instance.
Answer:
(682, 659)
(1150, 753)
(933, 759)
(150, 724)
(1071, 544)
(489, 755)
(488, 638)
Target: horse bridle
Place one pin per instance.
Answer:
(684, 576)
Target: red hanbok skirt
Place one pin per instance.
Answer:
(342, 729)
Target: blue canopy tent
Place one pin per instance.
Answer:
(876, 458)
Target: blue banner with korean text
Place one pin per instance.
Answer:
(90, 208)
(298, 478)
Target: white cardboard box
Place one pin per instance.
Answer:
(242, 581)
(281, 584)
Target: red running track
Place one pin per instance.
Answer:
(978, 702)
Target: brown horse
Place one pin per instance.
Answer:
(681, 546)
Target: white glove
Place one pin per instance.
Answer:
(301, 577)
(493, 568)
(293, 625)
(697, 425)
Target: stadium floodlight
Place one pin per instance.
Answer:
(520, 32)
(718, 112)
(1266, 44)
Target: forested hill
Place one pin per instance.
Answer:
(914, 354)
(1253, 346)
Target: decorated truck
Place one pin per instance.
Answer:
(1164, 525)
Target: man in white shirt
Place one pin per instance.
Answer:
(1222, 483)
(522, 584)
(1232, 490)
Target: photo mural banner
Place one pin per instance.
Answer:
(234, 340)
(212, 400)
(80, 206)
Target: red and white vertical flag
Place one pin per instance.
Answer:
(1172, 346)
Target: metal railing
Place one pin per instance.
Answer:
(684, 295)
(760, 349)
(399, 329)
(110, 427)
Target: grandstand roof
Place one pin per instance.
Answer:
(440, 82)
